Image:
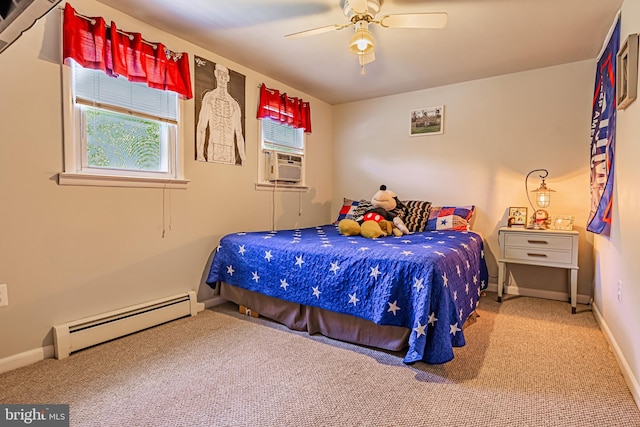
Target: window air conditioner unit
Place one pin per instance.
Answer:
(283, 167)
(17, 16)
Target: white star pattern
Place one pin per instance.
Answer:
(455, 295)
(439, 253)
(458, 270)
(466, 288)
(299, 261)
(267, 255)
(475, 279)
(375, 272)
(283, 284)
(242, 250)
(393, 307)
(230, 270)
(406, 253)
(334, 267)
(432, 319)
(444, 278)
(419, 330)
(460, 315)
(255, 276)
(316, 291)
(353, 299)
(453, 329)
(417, 283)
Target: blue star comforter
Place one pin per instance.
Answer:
(429, 282)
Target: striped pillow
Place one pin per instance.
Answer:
(415, 214)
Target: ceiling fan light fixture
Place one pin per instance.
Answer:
(362, 42)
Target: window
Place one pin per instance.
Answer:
(281, 157)
(280, 137)
(119, 133)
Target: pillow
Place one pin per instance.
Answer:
(346, 212)
(415, 214)
(353, 209)
(453, 218)
(362, 208)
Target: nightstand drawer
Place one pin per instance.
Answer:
(538, 241)
(537, 255)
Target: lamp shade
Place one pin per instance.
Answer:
(362, 42)
(543, 195)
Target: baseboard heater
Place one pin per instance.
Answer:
(83, 333)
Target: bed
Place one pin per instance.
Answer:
(412, 292)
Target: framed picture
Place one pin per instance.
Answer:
(427, 121)
(627, 72)
(517, 217)
(561, 222)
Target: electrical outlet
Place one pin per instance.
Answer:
(619, 290)
(4, 295)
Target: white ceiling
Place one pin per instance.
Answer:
(482, 38)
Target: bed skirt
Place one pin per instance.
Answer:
(315, 320)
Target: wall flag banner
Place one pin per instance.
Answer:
(603, 134)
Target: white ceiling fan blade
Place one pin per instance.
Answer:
(315, 31)
(414, 20)
(359, 6)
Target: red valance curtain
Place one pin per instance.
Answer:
(93, 44)
(290, 111)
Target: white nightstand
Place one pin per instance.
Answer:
(549, 248)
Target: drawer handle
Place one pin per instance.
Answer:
(537, 255)
(538, 242)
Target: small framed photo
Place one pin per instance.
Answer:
(517, 217)
(627, 72)
(561, 222)
(427, 121)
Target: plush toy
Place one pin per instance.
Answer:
(379, 221)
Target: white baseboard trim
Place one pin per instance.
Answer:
(539, 293)
(27, 358)
(632, 381)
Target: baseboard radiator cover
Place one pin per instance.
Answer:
(90, 331)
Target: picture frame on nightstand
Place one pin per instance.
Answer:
(517, 217)
(561, 222)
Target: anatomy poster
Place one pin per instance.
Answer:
(220, 113)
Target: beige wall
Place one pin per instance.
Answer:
(496, 130)
(67, 252)
(617, 254)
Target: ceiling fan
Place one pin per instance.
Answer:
(361, 13)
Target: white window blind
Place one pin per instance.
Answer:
(280, 137)
(95, 88)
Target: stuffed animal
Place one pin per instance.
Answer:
(379, 221)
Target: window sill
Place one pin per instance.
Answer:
(69, 178)
(271, 186)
